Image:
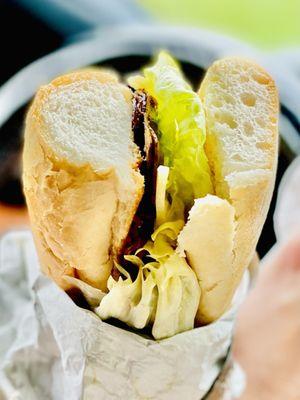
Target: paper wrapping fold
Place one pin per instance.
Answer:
(52, 349)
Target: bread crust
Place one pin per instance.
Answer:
(211, 221)
(248, 190)
(79, 220)
(72, 208)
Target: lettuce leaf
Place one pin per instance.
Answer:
(166, 292)
(178, 297)
(133, 302)
(181, 130)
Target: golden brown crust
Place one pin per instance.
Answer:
(248, 188)
(71, 207)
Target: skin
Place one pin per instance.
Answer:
(267, 338)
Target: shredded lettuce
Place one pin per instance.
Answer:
(163, 240)
(178, 297)
(133, 302)
(165, 293)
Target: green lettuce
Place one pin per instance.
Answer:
(133, 302)
(166, 292)
(181, 130)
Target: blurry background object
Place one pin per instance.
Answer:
(72, 17)
(124, 34)
(268, 24)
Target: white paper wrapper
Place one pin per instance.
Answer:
(52, 349)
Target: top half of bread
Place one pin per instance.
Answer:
(241, 106)
(84, 119)
(81, 176)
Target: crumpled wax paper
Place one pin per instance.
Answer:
(52, 349)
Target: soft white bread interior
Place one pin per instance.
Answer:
(81, 177)
(241, 106)
(208, 241)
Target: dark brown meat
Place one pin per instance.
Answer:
(143, 221)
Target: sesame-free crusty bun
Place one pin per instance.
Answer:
(241, 107)
(81, 179)
(153, 193)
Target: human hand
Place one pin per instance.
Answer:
(267, 338)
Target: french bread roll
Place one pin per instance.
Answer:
(81, 177)
(241, 106)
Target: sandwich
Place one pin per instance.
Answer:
(149, 197)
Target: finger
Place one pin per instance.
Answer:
(283, 258)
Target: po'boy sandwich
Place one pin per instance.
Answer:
(150, 197)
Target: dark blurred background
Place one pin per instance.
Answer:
(24, 38)
(30, 29)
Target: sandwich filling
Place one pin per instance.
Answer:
(145, 138)
(164, 291)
